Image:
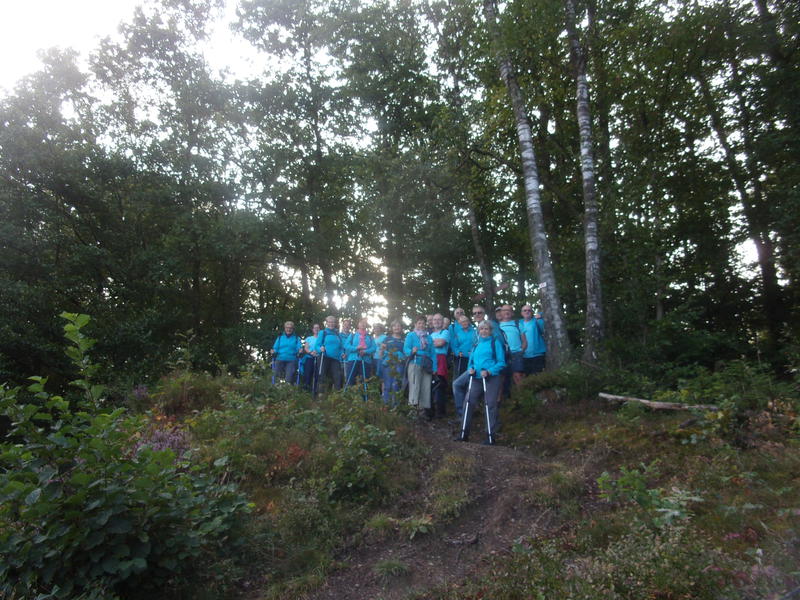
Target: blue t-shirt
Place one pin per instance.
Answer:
(534, 333)
(513, 335)
(441, 335)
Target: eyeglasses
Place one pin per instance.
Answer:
(477, 312)
(526, 310)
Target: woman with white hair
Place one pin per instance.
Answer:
(418, 348)
(286, 350)
(486, 363)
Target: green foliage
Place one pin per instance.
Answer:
(450, 485)
(83, 510)
(312, 468)
(673, 562)
(417, 525)
(663, 507)
(183, 392)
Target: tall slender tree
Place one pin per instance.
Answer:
(558, 349)
(594, 297)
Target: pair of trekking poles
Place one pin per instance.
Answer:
(467, 408)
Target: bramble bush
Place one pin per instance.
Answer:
(84, 511)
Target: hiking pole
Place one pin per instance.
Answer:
(364, 378)
(272, 366)
(352, 370)
(319, 374)
(488, 420)
(466, 411)
(297, 378)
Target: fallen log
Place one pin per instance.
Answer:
(657, 405)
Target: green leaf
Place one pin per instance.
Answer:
(119, 525)
(110, 564)
(33, 497)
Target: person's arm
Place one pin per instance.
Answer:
(500, 361)
(371, 346)
(408, 347)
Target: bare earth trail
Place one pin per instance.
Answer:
(501, 511)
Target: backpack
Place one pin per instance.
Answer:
(506, 345)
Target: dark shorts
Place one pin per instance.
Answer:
(534, 364)
(517, 363)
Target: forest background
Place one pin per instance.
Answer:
(375, 166)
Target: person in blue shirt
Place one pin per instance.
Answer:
(486, 363)
(441, 346)
(535, 354)
(329, 349)
(309, 360)
(286, 350)
(392, 360)
(462, 338)
(461, 382)
(359, 347)
(516, 343)
(379, 335)
(418, 348)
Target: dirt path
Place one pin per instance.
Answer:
(501, 511)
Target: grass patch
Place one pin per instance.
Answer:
(389, 568)
(450, 486)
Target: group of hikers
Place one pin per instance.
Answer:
(482, 357)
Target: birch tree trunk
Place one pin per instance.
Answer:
(593, 333)
(558, 348)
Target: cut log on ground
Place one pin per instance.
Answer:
(658, 405)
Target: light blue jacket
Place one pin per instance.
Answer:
(351, 347)
(412, 340)
(462, 341)
(287, 347)
(483, 357)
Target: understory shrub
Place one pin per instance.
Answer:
(673, 562)
(314, 469)
(85, 509)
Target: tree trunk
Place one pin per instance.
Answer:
(753, 208)
(594, 301)
(486, 268)
(558, 348)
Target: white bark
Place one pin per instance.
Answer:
(594, 299)
(657, 405)
(558, 348)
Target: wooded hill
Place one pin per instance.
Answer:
(416, 150)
